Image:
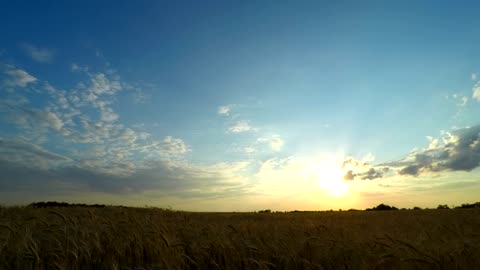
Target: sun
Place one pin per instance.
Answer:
(330, 178)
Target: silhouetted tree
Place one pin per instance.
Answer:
(467, 205)
(62, 204)
(382, 207)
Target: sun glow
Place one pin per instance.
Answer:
(330, 178)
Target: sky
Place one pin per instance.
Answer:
(240, 105)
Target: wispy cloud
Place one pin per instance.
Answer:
(16, 77)
(249, 150)
(241, 126)
(275, 142)
(460, 100)
(77, 68)
(476, 91)
(43, 55)
(22, 151)
(174, 146)
(225, 109)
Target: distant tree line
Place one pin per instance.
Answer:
(467, 205)
(382, 207)
(63, 204)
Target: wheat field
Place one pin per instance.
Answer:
(148, 238)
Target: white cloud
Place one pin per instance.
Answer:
(17, 77)
(75, 67)
(246, 150)
(476, 91)
(460, 99)
(38, 54)
(54, 121)
(174, 146)
(241, 126)
(108, 115)
(225, 110)
(37, 120)
(129, 136)
(474, 77)
(275, 142)
(249, 150)
(103, 151)
(368, 158)
(101, 84)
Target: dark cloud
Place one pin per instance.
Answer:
(460, 151)
(349, 175)
(371, 174)
(361, 170)
(352, 162)
(410, 170)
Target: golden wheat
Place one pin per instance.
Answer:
(135, 238)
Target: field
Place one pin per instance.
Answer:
(137, 238)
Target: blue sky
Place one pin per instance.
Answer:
(240, 105)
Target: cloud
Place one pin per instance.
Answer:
(363, 168)
(174, 146)
(249, 150)
(371, 174)
(103, 155)
(77, 68)
(349, 175)
(476, 91)
(108, 115)
(38, 54)
(128, 136)
(460, 99)
(473, 76)
(19, 148)
(240, 126)
(274, 141)
(101, 84)
(245, 149)
(27, 166)
(17, 77)
(140, 97)
(225, 110)
(35, 122)
(458, 150)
